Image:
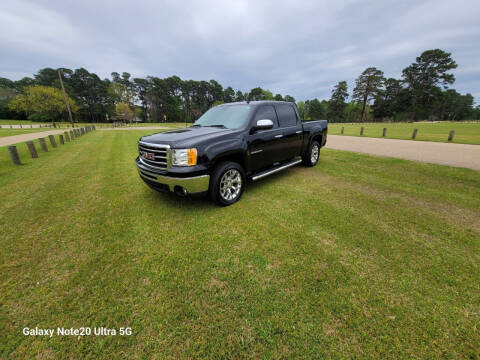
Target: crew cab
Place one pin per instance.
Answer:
(228, 145)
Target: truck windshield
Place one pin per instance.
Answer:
(229, 116)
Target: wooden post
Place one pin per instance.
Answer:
(82, 130)
(43, 144)
(65, 97)
(20, 126)
(414, 135)
(31, 126)
(31, 148)
(72, 135)
(12, 150)
(451, 135)
(361, 130)
(384, 132)
(52, 141)
(61, 139)
(341, 131)
(67, 138)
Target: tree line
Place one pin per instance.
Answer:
(421, 93)
(121, 97)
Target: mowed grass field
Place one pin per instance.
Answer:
(16, 122)
(358, 257)
(465, 132)
(67, 124)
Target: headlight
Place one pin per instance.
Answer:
(184, 157)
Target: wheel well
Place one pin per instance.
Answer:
(238, 158)
(318, 138)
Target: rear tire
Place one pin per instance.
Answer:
(227, 183)
(310, 158)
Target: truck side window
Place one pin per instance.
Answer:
(286, 115)
(266, 112)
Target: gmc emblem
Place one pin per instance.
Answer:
(148, 155)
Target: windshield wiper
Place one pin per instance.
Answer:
(218, 125)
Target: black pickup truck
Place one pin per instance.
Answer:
(227, 145)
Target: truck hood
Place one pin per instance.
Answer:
(186, 137)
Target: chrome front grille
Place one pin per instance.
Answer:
(154, 155)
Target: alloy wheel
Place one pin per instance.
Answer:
(230, 184)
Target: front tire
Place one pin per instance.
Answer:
(310, 158)
(227, 183)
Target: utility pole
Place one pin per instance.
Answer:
(66, 98)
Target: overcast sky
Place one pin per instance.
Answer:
(297, 47)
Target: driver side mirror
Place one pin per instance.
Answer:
(264, 124)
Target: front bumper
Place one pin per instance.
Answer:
(192, 185)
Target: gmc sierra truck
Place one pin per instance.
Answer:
(228, 145)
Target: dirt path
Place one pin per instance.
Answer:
(10, 140)
(459, 155)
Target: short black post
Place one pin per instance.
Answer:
(31, 148)
(384, 132)
(341, 131)
(61, 139)
(52, 141)
(11, 127)
(451, 135)
(43, 144)
(20, 126)
(31, 126)
(12, 150)
(67, 138)
(82, 130)
(361, 130)
(414, 135)
(72, 135)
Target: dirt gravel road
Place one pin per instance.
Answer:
(11, 140)
(458, 155)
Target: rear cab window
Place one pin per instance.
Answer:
(286, 115)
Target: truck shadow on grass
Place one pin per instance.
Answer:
(155, 198)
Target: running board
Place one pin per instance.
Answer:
(276, 169)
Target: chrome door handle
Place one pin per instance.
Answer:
(278, 136)
(299, 132)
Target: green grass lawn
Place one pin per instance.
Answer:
(16, 122)
(465, 132)
(67, 124)
(358, 257)
(11, 132)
